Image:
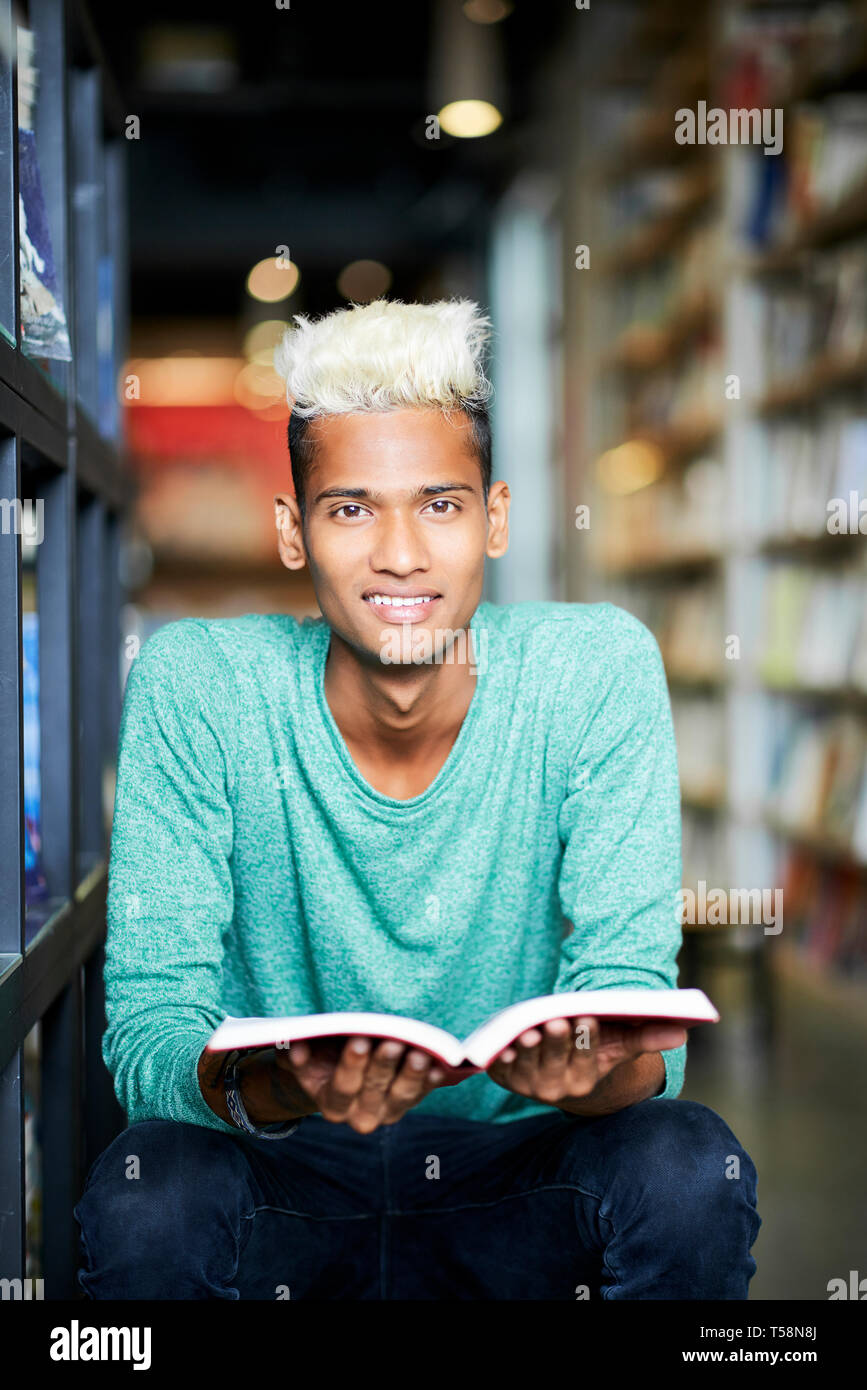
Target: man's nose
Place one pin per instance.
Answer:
(399, 544)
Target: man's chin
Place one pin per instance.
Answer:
(393, 646)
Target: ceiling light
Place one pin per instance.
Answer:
(467, 84)
(487, 11)
(469, 119)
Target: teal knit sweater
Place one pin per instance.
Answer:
(254, 871)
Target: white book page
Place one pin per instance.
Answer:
(681, 1005)
(265, 1032)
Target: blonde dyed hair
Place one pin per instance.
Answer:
(386, 355)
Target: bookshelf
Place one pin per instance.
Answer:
(65, 489)
(719, 351)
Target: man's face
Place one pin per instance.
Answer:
(395, 513)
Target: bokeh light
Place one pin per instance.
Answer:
(273, 279)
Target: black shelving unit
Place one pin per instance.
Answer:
(61, 447)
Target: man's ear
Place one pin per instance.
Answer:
(290, 535)
(499, 499)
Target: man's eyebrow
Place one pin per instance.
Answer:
(363, 494)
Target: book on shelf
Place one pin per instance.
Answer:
(814, 628)
(826, 912)
(845, 774)
(817, 777)
(35, 886)
(859, 830)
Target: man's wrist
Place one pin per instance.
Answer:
(276, 1129)
(641, 1078)
(267, 1093)
(266, 1098)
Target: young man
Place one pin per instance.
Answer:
(419, 804)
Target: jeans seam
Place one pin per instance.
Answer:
(615, 1277)
(88, 1262)
(307, 1215)
(509, 1197)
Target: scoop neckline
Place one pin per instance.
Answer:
(338, 742)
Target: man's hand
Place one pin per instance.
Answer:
(587, 1068)
(363, 1082)
(366, 1083)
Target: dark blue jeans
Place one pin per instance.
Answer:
(657, 1201)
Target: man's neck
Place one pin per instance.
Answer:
(400, 713)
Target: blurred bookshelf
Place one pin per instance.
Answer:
(720, 441)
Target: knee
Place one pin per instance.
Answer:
(687, 1150)
(154, 1184)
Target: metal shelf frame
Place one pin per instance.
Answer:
(55, 448)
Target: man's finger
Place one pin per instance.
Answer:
(378, 1078)
(658, 1037)
(315, 1056)
(411, 1080)
(412, 1084)
(343, 1086)
(557, 1044)
(525, 1065)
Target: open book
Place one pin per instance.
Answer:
(476, 1052)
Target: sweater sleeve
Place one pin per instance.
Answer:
(620, 875)
(170, 892)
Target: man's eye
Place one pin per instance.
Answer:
(349, 507)
(442, 502)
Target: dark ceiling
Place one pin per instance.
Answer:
(318, 143)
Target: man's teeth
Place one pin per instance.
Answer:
(399, 602)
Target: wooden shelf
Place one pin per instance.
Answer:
(817, 548)
(660, 234)
(846, 219)
(694, 680)
(677, 440)
(824, 376)
(824, 847)
(707, 801)
(169, 566)
(812, 83)
(662, 564)
(647, 347)
(650, 144)
(846, 696)
(681, 438)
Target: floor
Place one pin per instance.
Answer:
(786, 1068)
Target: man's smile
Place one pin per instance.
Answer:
(400, 605)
